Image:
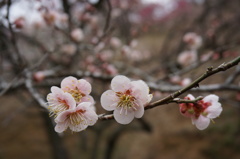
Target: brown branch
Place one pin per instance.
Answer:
(18, 58)
(170, 99)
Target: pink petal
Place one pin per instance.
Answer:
(202, 122)
(139, 112)
(120, 83)
(68, 83)
(88, 98)
(69, 100)
(211, 98)
(83, 106)
(60, 127)
(84, 86)
(122, 117)
(109, 100)
(214, 110)
(56, 90)
(91, 117)
(140, 90)
(78, 128)
(63, 115)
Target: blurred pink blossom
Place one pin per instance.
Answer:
(77, 35)
(193, 40)
(186, 58)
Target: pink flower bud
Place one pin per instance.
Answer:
(77, 35)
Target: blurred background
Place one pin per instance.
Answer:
(167, 43)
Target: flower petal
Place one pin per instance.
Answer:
(68, 83)
(70, 101)
(109, 100)
(139, 112)
(91, 117)
(88, 98)
(122, 117)
(79, 127)
(214, 110)
(190, 96)
(56, 90)
(63, 115)
(201, 123)
(120, 83)
(140, 90)
(61, 126)
(211, 98)
(84, 86)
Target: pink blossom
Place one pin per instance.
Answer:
(186, 58)
(59, 101)
(79, 89)
(203, 111)
(77, 35)
(185, 81)
(110, 69)
(127, 99)
(115, 42)
(193, 40)
(77, 118)
(39, 76)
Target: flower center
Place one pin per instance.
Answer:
(126, 100)
(57, 107)
(77, 117)
(77, 95)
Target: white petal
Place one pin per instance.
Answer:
(77, 128)
(109, 100)
(122, 117)
(61, 126)
(139, 112)
(84, 86)
(68, 83)
(214, 110)
(140, 90)
(190, 96)
(202, 122)
(88, 98)
(211, 98)
(69, 100)
(63, 115)
(120, 83)
(91, 117)
(83, 106)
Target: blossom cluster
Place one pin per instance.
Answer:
(71, 105)
(202, 111)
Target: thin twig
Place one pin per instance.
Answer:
(170, 99)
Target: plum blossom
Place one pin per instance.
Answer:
(77, 35)
(193, 40)
(202, 111)
(79, 89)
(127, 99)
(186, 58)
(59, 101)
(77, 118)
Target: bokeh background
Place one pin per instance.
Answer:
(140, 39)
